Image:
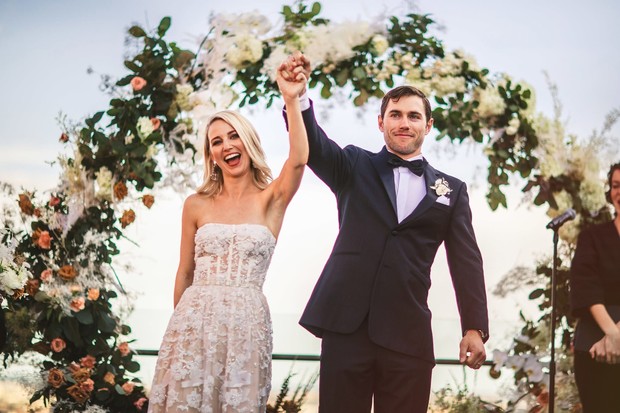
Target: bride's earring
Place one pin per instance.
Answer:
(214, 172)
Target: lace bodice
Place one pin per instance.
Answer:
(233, 255)
(215, 356)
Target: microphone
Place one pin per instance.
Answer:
(558, 221)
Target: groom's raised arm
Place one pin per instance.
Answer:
(331, 163)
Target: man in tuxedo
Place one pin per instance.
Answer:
(369, 305)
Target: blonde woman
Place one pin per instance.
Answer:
(216, 352)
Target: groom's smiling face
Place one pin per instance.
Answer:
(404, 126)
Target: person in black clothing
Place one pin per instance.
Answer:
(595, 300)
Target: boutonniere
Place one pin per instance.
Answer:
(441, 187)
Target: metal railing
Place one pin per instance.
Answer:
(314, 357)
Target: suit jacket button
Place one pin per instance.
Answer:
(394, 232)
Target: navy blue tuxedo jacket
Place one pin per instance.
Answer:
(380, 268)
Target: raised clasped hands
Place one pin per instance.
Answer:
(607, 349)
(292, 75)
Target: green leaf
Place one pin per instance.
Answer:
(164, 25)
(137, 31)
(97, 117)
(85, 316)
(536, 293)
(132, 66)
(132, 366)
(71, 330)
(105, 323)
(316, 8)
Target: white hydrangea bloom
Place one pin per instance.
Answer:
(513, 126)
(446, 85)
(12, 276)
(270, 65)
(104, 184)
(491, 103)
(379, 43)
(182, 97)
(245, 49)
(592, 195)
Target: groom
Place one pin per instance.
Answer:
(369, 305)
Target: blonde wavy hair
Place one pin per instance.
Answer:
(261, 173)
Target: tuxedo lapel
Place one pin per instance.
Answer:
(386, 173)
(430, 175)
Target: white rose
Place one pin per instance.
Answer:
(513, 126)
(145, 127)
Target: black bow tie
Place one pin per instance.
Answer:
(417, 166)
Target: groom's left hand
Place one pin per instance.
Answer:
(471, 350)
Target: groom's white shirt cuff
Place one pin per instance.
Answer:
(304, 101)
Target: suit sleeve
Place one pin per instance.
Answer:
(331, 163)
(465, 263)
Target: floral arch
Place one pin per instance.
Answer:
(57, 279)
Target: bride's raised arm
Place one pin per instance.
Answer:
(287, 183)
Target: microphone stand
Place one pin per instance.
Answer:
(553, 288)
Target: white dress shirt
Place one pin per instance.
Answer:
(410, 189)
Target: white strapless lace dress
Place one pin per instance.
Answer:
(216, 352)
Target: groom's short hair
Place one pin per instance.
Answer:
(400, 91)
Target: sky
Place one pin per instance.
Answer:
(47, 47)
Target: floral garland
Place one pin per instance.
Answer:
(55, 265)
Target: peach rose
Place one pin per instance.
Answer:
(93, 294)
(77, 304)
(78, 394)
(137, 83)
(55, 378)
(128, 217)
(140, 403)
(123, 348)
(67, 272)
(25, 205)
(148, 200)
(81, 375)
(46, 275)
(74, 367)
(109, 378)
(32, 287)
(44, 240)
(156, 123)
(88, 385)
(128, 387)
(120, 191)
(88, 361)
(57, 345)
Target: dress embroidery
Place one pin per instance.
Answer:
(216, 352)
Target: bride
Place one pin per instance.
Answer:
(216, 353)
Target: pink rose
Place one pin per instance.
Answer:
(137, 83)
(57, 345)
(77, 304)
(93, 294)
(140, 403)
(44, 241)
(123, 348)
(88, 361)
(46, 275)
(88, 385)
(128, 387)
(156, 123)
